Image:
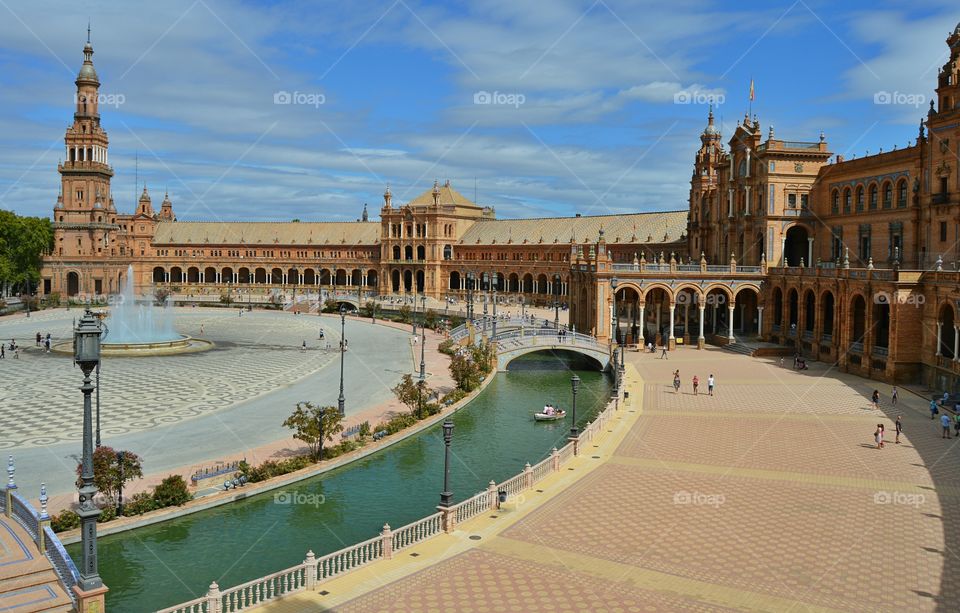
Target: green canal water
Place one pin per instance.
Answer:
(168, 563)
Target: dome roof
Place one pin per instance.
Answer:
(87, 71)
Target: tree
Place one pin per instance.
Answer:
(412, 393)
(314, 425)
(23, 241)
(172, 491)
(110, 474)
(406, 314)
(465, 371)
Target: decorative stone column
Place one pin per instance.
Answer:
(810, 251)
(783, 250)
(939, 336)
(310, 563)
(386, 541)
(956, 341)
(730, 310)
(643, 324)
(759, 322)
(672, 341)
(701, 340)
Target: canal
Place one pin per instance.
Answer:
(168, 563)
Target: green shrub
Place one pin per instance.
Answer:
(67, 520)
(455, 395)
(447, 347)
(142, 502)
(364, 431)
(107, 514)
(172, 491)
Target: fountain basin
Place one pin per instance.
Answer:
(184, 344)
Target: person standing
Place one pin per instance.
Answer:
(956, 425)
(875, 399)
(696, 384)
(899, 427)
(38, 339)
(3, 353)
(710, 383)
(883, 431)
(876, 436)
(893, 396)
(676, 381)
(933, 409)
(663, 354)
(945, 423)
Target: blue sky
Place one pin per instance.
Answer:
(586, 117)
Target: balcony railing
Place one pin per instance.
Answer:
(856, 347)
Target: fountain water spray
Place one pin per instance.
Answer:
(131, 321)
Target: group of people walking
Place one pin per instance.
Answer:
(711, 382)
(41, 342)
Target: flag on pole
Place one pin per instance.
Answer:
(752, 92)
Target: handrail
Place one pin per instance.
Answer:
(263, 590)
(417, 531)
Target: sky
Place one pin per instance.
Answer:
(275, 110)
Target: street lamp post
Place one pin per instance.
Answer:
(446, 495)
(556, 303)
(120, 456)
(28, 299)
(86, 354)
(484, 286)
(98, 405)
(423, 339)
(414, 318)
(343, 349)
(470, 280)
(494, 333)
(575, 384)
(616, 335)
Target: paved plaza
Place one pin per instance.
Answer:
(191, 408)
(768, 496)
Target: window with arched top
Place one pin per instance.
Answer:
(887, 195)
(835, 202)
(873, 196)
(447, 252)
(846, 200)
(902, 194)
(859, 198)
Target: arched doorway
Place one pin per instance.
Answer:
(407, 280)
(793, 311)
(881, 329)
(159, 274)
(746, 316)
(777, 309)
(858, 315)
(73, 284)
(826, 317)
(420, 283)
(371, 278)
(809, 313)
(193, 275)
(260, 275)
(395, 280)
(454, 280)
(796, 246)
(946, 321)
(627, 303)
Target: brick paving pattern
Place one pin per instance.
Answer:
(768, 496)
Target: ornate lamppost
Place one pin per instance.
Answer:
(86, 354)
(470, 280)
(423, 339)
(556, 302)
(413, 320)
(575, 384)
(98, 405)
(484, 286)
(616, 333)
(446, 495)
(494, 333)
(343, 349)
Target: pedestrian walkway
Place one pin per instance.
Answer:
(768, 496)
(28, 582)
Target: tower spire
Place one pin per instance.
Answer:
(88, 31)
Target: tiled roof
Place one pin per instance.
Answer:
(448, 195)
(636, 228)
(267, 233)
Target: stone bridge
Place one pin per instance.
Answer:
(515, 343)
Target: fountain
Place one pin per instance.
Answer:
(137, 328)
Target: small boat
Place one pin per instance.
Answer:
(557, 415)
